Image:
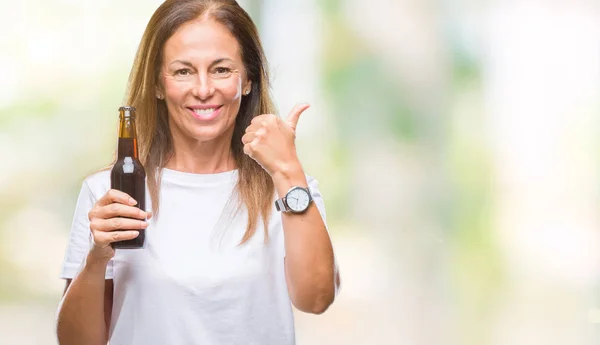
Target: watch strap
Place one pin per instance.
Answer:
(280, 205)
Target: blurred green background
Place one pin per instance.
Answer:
(455, 143)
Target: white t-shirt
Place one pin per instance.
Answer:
(192, 283)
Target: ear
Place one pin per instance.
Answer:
(159, 93)
(246, 87)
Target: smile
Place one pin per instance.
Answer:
(205, 113)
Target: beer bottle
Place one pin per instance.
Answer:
(128, 174)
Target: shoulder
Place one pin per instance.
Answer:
(98, 183)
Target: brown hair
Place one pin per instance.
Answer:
(255, 186)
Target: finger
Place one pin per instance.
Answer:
(261, 118)
(117, 223)
(294, 115)
(256, 120)
(250, 148)
(118, 210)
(105, 238)
(248, 137)
(254, 127)
(113, 196)
(149, 215)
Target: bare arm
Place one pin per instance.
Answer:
(84, 315)
(311, 273)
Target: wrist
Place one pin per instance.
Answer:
(94, 263)
(287, 176)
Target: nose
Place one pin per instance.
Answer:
(204, 88)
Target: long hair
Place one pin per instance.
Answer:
(255, 186)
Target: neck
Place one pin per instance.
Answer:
(202, 157)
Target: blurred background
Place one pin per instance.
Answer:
(456, 145)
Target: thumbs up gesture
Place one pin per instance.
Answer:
(270, 141)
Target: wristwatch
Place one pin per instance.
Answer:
(296, 200)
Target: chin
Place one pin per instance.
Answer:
(209, 133)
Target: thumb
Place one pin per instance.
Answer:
(294, 115)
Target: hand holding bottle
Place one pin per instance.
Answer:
(115, 218)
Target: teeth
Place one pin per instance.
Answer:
(204, 111)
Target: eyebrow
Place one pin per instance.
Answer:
(189, 64)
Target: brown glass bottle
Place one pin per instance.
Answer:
(128, 174)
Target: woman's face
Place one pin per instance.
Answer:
(202, 78)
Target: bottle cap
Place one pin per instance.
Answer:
(127, 111)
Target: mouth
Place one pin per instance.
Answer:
(205, 113)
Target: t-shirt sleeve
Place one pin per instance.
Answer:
(80, 237)
(313, 186)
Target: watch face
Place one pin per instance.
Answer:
(297, 200)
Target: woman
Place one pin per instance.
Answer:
(221, 263)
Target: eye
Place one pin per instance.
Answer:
(222, 71)
(183, 72)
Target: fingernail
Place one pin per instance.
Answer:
(144, 224)
(132, 202)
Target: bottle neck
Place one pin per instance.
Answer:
(127, 146)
